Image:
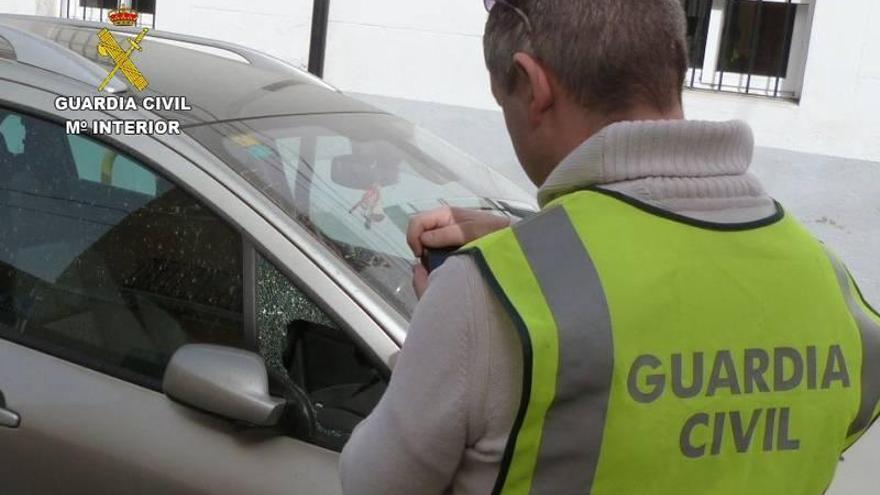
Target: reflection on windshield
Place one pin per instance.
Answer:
(355, 180)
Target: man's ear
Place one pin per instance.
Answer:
(541, 96)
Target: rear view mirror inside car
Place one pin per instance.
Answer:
(364, 172)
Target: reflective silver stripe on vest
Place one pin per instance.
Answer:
(573, 427)
(870, 333)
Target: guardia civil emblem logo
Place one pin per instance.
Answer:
(108, 46)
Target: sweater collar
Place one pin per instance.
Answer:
(629, 151)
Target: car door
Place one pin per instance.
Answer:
(106, 268)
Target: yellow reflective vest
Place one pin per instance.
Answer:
(667, 356)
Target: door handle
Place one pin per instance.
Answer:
(8, 418)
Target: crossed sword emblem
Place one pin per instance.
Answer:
(109, 47)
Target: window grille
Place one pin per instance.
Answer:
(97, 10)
(755, 47)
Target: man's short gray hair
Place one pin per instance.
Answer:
(608, 54)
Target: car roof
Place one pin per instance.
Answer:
(221, 81)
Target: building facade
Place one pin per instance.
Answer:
(804, 73)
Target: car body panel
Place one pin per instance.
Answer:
(85, 432)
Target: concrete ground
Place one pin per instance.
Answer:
(837, 199)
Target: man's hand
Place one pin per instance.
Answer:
(420, 280)
(447, 228)
(451, 228)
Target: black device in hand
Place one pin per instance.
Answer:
(433, 258)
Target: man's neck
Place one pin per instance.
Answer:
(696, 169)
(581, 126)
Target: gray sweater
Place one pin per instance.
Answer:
(443, 423)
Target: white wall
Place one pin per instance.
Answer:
(30, 7)
(432, 51)
(280, 28)
(839, 111)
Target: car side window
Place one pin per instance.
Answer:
(97, 163)
(307, 352)
(105, 263)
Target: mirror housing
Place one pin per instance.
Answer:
(363, 172)
(229, 382)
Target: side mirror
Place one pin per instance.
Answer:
(229, 382)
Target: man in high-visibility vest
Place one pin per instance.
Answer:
(661, 327)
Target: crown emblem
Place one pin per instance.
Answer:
(123, 17)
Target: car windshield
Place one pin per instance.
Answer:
(354, 180)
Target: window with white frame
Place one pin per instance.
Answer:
(756, 47)
(143, 6)
(98, 10)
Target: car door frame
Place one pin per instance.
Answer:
(270, 232)
(367, 318)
